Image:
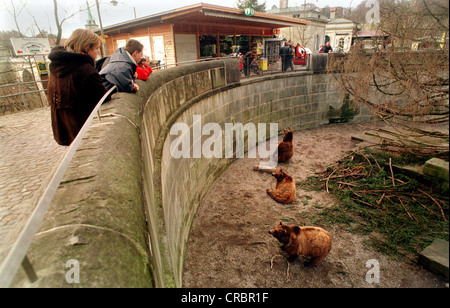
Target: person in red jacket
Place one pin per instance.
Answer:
(143, 71)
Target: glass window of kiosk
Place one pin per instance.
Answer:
(242, 41)
(226, 44)
(208, 45)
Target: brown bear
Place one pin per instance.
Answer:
(311, 242)
(285, 190)
(285, 149)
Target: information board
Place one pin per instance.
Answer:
(30, 46)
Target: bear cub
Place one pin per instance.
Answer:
(285, 190)
(285, 149)
(311, 242)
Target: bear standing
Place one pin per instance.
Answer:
(285, 149)
(311, 242)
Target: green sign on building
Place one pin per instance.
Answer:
(249, 11)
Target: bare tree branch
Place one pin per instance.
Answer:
(396, 83)
(15, 13)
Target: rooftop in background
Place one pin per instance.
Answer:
(312, 13)
(208, 13)
(341, 21)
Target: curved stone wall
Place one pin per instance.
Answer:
(126, 204)
(175, 186)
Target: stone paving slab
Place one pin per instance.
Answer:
(437, 168)
(435, 257)
(28, 158)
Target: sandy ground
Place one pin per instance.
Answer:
(230, 245)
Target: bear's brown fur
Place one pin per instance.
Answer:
(285, 190)
(311, 242)
(286, 148)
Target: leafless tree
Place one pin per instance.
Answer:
(15, 12)
(16, 8)
(407, 87)
(357, 13)
(305, 38)
(60, 21)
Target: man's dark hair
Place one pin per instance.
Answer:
(134, 45)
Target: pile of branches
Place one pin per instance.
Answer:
(412, 141)
(353, 173)
(408, 213)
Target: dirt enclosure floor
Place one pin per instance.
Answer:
(230, 245)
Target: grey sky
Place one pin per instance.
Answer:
(42, 10)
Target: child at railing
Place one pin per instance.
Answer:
(254, 66)
(241, 64)
(143, 71)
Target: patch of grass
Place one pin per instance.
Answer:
(400, 215)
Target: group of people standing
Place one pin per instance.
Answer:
(77, 81)
(287, 56)
(288, 51)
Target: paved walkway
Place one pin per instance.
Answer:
(28, 158)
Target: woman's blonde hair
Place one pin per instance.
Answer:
(82, 40)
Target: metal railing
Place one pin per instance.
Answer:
(192, 61)
(22, 93)
(18, 254)
(273, 64)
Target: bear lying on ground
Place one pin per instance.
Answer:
(311, 242)
(285, 149)
(285, 190)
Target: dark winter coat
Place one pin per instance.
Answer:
(74, 89)
(326, 49)
(119, 71)
(285, 52)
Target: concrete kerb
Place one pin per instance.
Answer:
(96, 218)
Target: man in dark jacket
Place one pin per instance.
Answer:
(121, 69)
(327, 48)
(285, 53)
(248, 59)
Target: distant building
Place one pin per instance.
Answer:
(341, 32)
(321, 29)
(373, 38)
(336, 12)
(312, 35)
